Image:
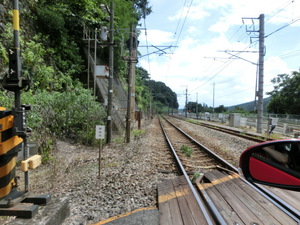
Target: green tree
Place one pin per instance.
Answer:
(143, 94)
(286, 94)
(163, 93)
(220, 109)
(192, 107)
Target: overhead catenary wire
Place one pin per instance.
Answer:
(290, 54)
(148, 55)
(279, 10)
(187, 13)
(179, 21)
(285, 26)
(221, 68)
(178, 37)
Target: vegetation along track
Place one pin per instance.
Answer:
(227, 197)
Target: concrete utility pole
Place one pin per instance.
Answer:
(213, 109)
(95, 62)
(260, 93)
(133, 63)
(111, 74)
(197, 106)
(131, 82)
(186, 101)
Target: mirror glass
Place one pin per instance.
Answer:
(277, 163)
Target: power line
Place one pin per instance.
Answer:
(217, 73)
(179, 20)
(281, 28)
(290, 54)
(280, 9)
(184, 22)
(146, 36)
(180, 31)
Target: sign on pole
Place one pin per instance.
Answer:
(100, 132)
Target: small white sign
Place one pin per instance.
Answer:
(101, 70)
(100, 132)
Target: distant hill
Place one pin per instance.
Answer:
(249, 106)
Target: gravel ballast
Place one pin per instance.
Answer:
(129, 172)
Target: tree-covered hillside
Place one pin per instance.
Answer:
(163, 94)
(53, 59)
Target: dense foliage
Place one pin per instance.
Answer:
(286, 94)
(162, 93)
(51, 44)
(53, 59)
(192, 107)
(142, 92)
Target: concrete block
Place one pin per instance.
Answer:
(54, 213)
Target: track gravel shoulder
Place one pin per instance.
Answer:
(128, 178)
(129, 173)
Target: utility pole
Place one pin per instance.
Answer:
(197, 105)
(260, 93)
(111, 74)
(131, 76)
(186, 101)
(213, 110)
(133, 63)
(95, 62)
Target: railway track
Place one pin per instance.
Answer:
(242, 134)
(289, 200)
(222, 195)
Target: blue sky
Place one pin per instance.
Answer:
(203, 30)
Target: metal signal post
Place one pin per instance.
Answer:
(13, 138)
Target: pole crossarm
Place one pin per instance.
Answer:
(234, 56)
(240, 51)
(160, 50)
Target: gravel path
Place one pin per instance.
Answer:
(129, 174)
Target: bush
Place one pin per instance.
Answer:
(71, 115)
(66, 114)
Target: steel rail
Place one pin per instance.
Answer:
(247, 136)
(283, 203)
(200, 204)
(220, 160)
(285, 207)
(276, 200)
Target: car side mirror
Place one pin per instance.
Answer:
(273, 163)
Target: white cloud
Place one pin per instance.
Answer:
(192, 29)
(157, 37)
(194, 12)
(188, 67)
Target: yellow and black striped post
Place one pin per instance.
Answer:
(13, 138)
(10, 145)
